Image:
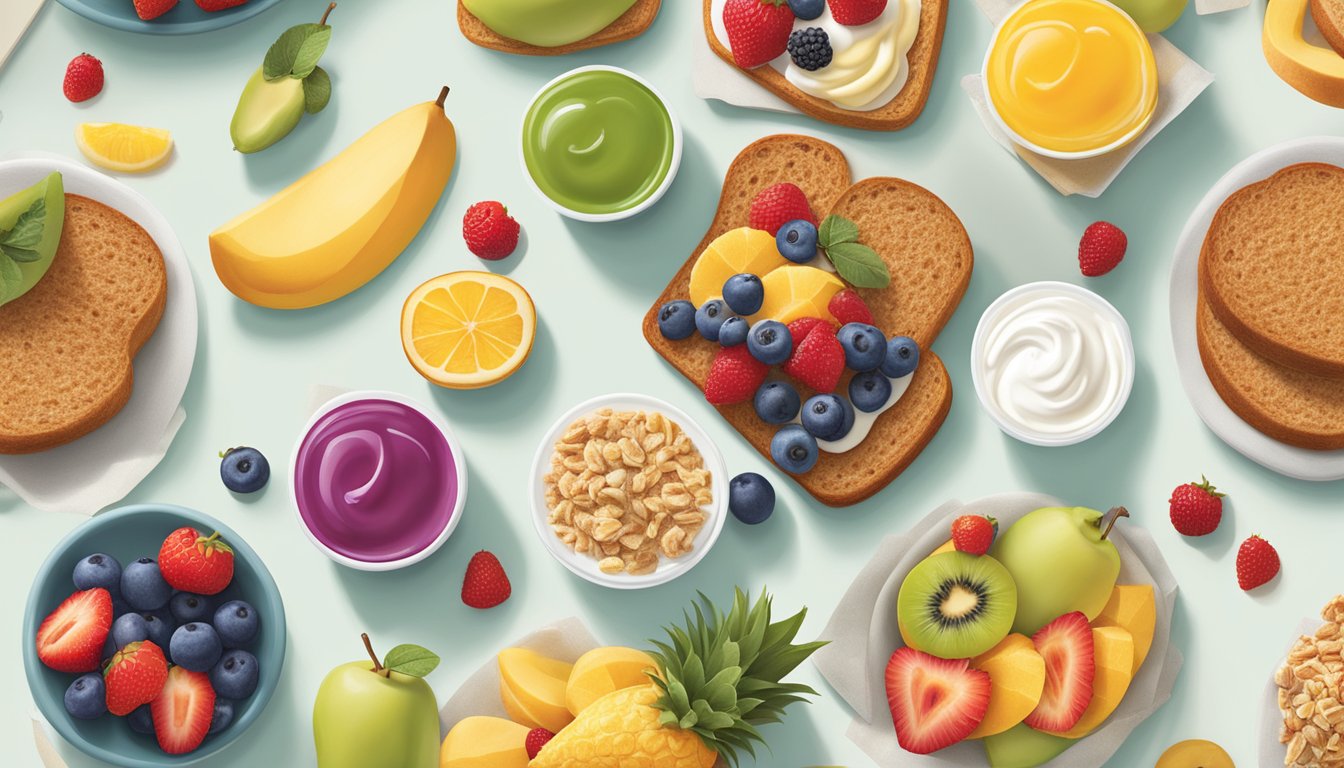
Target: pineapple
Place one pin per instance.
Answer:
(718, 678)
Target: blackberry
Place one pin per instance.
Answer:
(810, 48)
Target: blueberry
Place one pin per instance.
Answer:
(733, 332)
(869, 391)
(709, 318)
(864, 346)
(129, 629)
(676, 320)
(143, 587)
(195, 646)
(848, 422)
(161, 626)
(141, 721)
(770, 342)
(99, 571)
(807, 10)
(236, 622)
(777, 402)
(744, 294)
(222, 716)
(86, 698)
(793, 449)
(244, 470)
(797, 241)
(236, 674)
(824, 417)
(186, 607)
(751, 498)
(110, 648)
(902, 357)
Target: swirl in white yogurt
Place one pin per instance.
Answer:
(869, 66)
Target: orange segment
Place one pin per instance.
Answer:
(798, 291)
(738, 251)
(466, 330)
(123, 148)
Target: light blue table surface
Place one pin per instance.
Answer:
(592, 283)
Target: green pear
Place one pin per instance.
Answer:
(1062, 562)
(1022, 747)
(1153, 15)
(27, 250)
(373, 712)
(547, 23)
(267, 111)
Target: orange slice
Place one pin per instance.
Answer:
(123, 148)
(738, 251)
(467, 330)
(798, 291)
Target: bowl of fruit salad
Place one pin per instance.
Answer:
(153, 636)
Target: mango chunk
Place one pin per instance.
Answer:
(605, 670)
(1133, 608)
(485, 742)
(1016, 680)
(532, 689)
(1114, 651)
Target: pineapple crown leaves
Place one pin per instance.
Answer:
(720, 675)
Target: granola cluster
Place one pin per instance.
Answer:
(1310, 696)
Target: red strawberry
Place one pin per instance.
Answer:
(191, 562)
(153, 9)
(1066, 646)
(486, 584)
(934, 702)
(817, 361)
(974, 534)
(210, 6)
(1196, 508)
(1101, 249)
(135, 676)
(848, 306)
(852, 13)
(183, 710)
(776, 206)
(536, 739)
(800, 328)
(491, 233)
(71, 638)
(734, 376)
(1257, 563)
(83, 78)
(758, 30)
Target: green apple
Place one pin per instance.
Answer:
(1022, 747)
(547, 23)
(373, 712)
(30, 231)
(1062, 562)
(1153, 15)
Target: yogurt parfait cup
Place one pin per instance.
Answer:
(600, 144)
(1053, 363)
(378, 481)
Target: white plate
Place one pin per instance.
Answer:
(668, 568)
(1285, 459)
(102, 467)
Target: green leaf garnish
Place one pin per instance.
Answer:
(411, 660)
(10, 279)
(296, 52)
(859, 265)
(316, 91)
(21, 241)
(835, 230)
(311, 50)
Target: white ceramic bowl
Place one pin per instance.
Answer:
(459, 465)
(979, 375)
(668, 568)
(677, 145)
(1035, 148)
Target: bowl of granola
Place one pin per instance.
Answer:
(1303, 721)
(628, 492)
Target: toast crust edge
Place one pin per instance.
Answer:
(640, 15)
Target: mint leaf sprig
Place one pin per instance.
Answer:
(296, 53)
(18, 245)
(410, 660)
(859, 265)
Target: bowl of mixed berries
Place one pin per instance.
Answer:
(153, 636)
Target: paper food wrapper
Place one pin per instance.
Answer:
(100, 468)
(1179, 81)
(863, 633)
(716, 79)
(1205, 7)
(1272, 753)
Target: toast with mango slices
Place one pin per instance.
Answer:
(630, 24)
(919, 238)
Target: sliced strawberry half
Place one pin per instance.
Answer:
(134, 677)
(182, 711)
(1066, 646)
(71, 638)
(934, 702)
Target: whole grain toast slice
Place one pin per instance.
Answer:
(1329, 16)
(929, 254)
(898, 114)
(67, 344)
(630, 24)
(1270, 267)
(1288, 405)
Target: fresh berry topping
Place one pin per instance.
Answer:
(134, 676)
(778, 205)
(733, 332)
(486, 584)
(744, 294)
(974, 534)
(817, 361)
(1101, 249)
(676, 320)
(865, 346)
(807, 10)
(823, 417)
(810, 48)
(153, 9)
(1196, 508)
(902, 357)
(852, 13)
(848, 306)
(191, 562)
(86, 698)
(797, 241)
(770, 342)
(934, 702)
(182, 711)
(710, 317)
(244, 470)
(536, 739)
(777, 402)
(210, 6)
(71, 638)
(1257, 563)
(869, 391)
(794, 450)
(734, 376)
(800, 328)
(758, 31)
(1066, 646)
(83, 78)
(751, 498)
(491, 233)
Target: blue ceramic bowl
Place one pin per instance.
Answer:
(185, 19)
(126, 534)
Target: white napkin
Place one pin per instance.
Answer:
(15, 17)
(716, 79)
(862, 636)
(1179, 80)
(1205, 7)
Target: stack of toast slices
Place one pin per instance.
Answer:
(630, 24)
(1271, 300)
(929, 254)
(68, 343)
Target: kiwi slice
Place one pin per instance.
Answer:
(956, 606)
